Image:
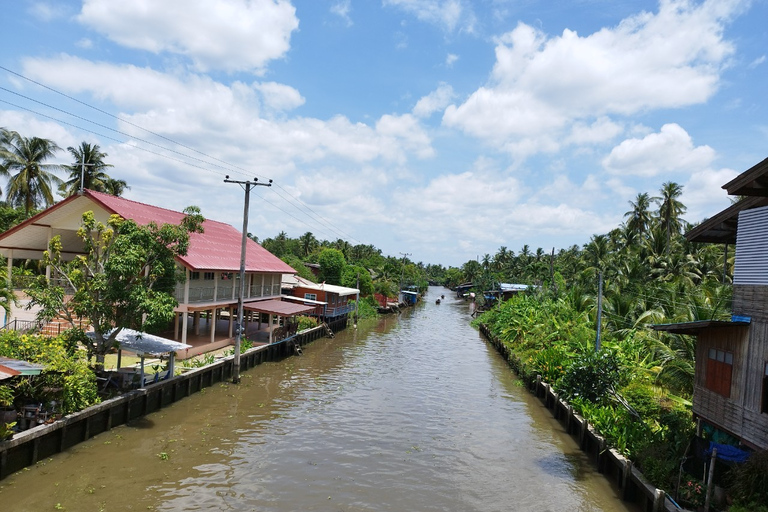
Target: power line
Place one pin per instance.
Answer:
(296, 202)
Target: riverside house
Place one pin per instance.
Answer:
(331, 302)
(211, 265)
(731, 381)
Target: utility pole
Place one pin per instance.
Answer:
(247, 186)
(599, 310)
(357, 299)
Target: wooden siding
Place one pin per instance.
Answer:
(751, 301)
(740, 414)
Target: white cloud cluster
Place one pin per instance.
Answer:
(232, 35)
(448, 14)
(671, 150)
(541, 85)
(435, 101)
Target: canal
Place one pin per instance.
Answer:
(409, 412)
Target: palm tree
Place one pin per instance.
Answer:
(670, 209)
(308, 243)
(640, 215)
(32, 182)
(115, 187)
(86, 170)
(4, 141)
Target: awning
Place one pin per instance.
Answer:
(278, 307)
(305, 301)
(693, 328)
(12, 367)
(144, 344)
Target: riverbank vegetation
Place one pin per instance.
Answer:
(636, 389)
(354, 266)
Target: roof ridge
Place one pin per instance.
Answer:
(96, 195)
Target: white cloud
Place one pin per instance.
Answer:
(84, 43)
(279, 96)
(602, 130)
(233, 35)
(670, 150)
(703, 192)
(448, 14)
(45, 11)
(434, 101)
(342, 9)
(756, 62)
(450, 60)
(541, 85)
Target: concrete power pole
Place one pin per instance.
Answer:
(247, 186)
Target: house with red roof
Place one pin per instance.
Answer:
(211, 265)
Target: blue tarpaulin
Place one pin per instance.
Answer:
(728, 452)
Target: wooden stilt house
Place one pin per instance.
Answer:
(731, 383)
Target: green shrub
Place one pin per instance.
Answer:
(306, 322)
(749, 481)
(593, 376)
(642, 398)
(551, 363)
(67, 378)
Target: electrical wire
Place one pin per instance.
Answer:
(221, 164)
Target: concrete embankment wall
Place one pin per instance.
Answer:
(29, 447)
(618, 469)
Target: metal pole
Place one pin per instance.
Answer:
(82, 172)
(599, 310)
(241, 294)
(357, 299)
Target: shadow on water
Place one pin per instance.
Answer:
(143, 423)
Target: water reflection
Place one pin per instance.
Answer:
(406, 413)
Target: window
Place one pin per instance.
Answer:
(310, 296)
(209, 276)
(194, 275)
(764, 408)
(226, 276)
(719, 371)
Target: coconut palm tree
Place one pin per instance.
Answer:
(31, 180)
(87, 170)
(671, 209)
(639, 217)
(115, 187)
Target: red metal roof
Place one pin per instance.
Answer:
(278, 307)
(217, 248)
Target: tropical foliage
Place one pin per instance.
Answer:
(88, 170)
(67, 378)
(31, 181)
(125, 279)
(636, 388)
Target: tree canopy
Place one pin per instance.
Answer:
(125, 279)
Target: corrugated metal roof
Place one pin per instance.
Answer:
(142, 343)
(19, 367)
(217, 248)
(751, 266)
(341, 291)
(278, 307)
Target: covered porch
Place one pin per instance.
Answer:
(208, 327)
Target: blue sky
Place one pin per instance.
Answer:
(440, 128)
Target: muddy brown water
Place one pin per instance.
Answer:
(408, 413)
